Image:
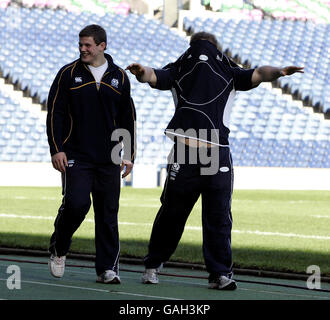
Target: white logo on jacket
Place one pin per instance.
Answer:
(175, 167)
(70, 163)
(114, 83)
(203, 57)
(78, 79)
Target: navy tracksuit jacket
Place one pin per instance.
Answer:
(203, 83)
(82, 115)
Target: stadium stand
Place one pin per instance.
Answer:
(37, 61)
(277, 42)
(267, 127)
(94, 6)
(234, 8)
(312, 10)
(4, 3)
(22, 133)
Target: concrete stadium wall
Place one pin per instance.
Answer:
(43, 174)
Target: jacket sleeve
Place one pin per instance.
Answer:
(167, 75)
(242, 77)
(57, 103)
(127, 120)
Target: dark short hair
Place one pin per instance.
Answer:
(96, 32)
(204, 36)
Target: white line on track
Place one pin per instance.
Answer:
(253, 232)
(94, 289)
(18, 216)
(279, 234)
(320, 216)
(180, 282)
(60, 285)
(147, 296)
(123, 201)
(284, 294)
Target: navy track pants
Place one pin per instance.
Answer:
(80, 181)
(182, 189)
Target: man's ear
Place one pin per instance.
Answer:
(103, 45)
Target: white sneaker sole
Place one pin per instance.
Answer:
(148, 281)
(115, 280)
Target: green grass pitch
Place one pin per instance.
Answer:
(283, 231)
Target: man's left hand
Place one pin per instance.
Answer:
(287, 71)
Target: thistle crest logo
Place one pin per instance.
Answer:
(114, 83)
(175, 167)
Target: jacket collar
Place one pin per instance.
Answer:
(111, 65)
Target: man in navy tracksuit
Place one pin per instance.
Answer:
(203, 82)
(90, 115)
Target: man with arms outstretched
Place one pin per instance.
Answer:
(203, 82)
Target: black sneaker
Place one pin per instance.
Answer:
(221, 283)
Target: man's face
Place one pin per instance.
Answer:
(89, 50)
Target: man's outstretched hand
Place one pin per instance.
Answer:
(137, 69)
(143, 73)
(287, 71)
